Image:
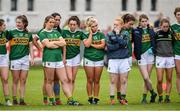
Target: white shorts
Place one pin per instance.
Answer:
(90, 63)
(146, 58)
(118, 66)
(75, 61)
(59, 64)
(130, 61)
(165, 62)
(177, 57)
(20, 64)
(4, 60)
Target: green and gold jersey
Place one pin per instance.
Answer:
(19, 43)
(176, 47)
(163, 45)
(3, 42)
(39, 31)
(92, 53)
(49, 54)
(146, 41)
(73, 41)
(130, 41)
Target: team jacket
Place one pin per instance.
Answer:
(137, 38)
(117, 45)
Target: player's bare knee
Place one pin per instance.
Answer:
(146, 79)
(5, 81)
(123, 81)
(90, 81)
(112, 82)
(178, 75)
(169, 80)
(65, 81)
(70, 80)
(159, 82)
(22, 81)
(15, 81)
(96, 81)
(49, 81)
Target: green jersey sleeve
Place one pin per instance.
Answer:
(85, 35)
(30, 37)
(6, 34)
(60, 35)
(39, 31)
(42, 36)
(102, 36)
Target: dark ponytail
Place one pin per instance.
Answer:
(54, 15)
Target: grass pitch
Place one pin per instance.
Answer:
(134, 93)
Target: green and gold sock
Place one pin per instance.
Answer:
(21, 99)
(111, 97)
(144, 96)
(57, 98)
(14, 98)
(51, 99)
(6, 98)
(123, 96)
(118, 95)
(70, 98)
(152, 92)
(45, 98)
(167, 96)
(161, 97)
(90, 97)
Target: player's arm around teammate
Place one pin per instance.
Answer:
(128, 20)
(52, 60)
(164, 59)
(20, 41)
(93, 59)
(143, 50)
(176, 46)
(38, 44)
(4, 64)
